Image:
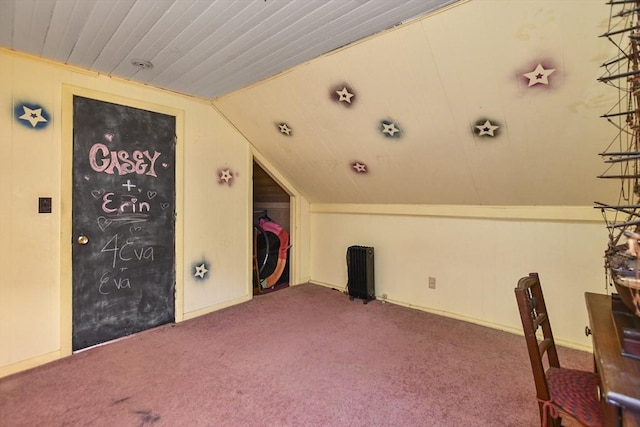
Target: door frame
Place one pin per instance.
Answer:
(66, 192)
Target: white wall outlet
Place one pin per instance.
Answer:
(432, 282)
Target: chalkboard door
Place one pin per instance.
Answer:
(123, 227)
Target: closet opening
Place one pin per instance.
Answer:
(271, 233)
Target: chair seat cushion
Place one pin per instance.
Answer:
(576, 393)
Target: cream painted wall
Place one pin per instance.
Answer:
(476, 259)
(215, 217)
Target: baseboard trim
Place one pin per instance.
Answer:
(211, 309)
(463, 318)
(34, 362)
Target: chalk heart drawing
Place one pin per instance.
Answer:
(151, 194)
(134, 229)
(108, 137)
(97, 193)
(104, 223)
(165, 165)
(164, 205)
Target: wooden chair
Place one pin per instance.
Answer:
(569, 393)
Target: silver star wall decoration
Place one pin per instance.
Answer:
(539, 75)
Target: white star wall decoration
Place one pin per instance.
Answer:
(539, 76)
(345, 95)
(226, 176)
(200, 271)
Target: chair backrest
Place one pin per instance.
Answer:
(533, 313)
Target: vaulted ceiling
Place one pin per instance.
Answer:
(484, 102)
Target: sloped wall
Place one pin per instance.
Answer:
(490, 102)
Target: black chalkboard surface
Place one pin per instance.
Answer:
(123, 220)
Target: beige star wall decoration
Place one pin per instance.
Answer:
(343, 94)
(225, 176)
(285, 129)
(390, 129)
(359, 167)
(540, 75)
(486, 128)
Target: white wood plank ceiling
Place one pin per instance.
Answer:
(205, 48)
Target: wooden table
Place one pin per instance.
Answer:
(619, 375)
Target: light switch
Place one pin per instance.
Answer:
(44, 204)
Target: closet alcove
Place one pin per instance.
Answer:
(271, 232)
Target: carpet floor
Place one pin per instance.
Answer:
(302, 356)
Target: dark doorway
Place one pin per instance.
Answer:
(271, 222)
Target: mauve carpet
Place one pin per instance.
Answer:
(302, 356)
